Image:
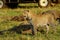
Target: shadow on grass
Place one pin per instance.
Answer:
(18, 29)
(24, 7)
(58, 20)
(28, 7)
(13, 6)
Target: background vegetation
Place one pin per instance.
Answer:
(5, 24)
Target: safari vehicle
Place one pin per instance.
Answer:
(14, 3)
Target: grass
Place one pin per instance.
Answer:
(5, 24)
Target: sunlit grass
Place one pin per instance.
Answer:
(6, 24)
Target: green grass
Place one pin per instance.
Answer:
(5, 24)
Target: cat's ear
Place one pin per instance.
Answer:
(27, 10)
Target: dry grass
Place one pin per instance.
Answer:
(5, 24)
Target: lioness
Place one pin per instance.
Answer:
(55, 13)
(39, 20)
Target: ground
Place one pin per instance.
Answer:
(6, 24)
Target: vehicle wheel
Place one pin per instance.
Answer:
(1, 4)
(43, 3)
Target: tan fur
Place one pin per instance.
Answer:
(55, 13)
(40, 20)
